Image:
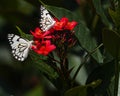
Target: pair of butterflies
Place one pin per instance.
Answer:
(20, 47)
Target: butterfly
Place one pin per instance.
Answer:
(20, 47)
(46, 21)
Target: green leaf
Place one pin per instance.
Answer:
(111, 40)
(53, 2)
(111, 87)
(81, 90)
(88, 42)
(101, 13)
(115, 15)
(81, 31)
(104, 73)
(77, 91)
(107, 56)
(59, 12)
(42, 66)
(23, 35)
(38, 91)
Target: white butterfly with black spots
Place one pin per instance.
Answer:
(20, 47)
(46, 21)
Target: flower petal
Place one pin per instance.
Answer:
(71, 25)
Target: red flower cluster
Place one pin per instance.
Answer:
(61, 33)
(64, 24)
(42, 44)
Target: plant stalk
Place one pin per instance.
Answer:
(116, 78)
(85, 60)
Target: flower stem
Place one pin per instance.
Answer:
(80, 66)
(116, 78)
(41, 2)
(54, 59)
(95, 21)
(84, 62)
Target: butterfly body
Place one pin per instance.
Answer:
(20, 47)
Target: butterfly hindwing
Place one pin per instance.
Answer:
(46, 21)
(20, 47)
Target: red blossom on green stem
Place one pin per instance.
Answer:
(61, 34)
(42, 43)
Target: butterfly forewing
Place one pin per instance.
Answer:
(20, 47)
(46, 21)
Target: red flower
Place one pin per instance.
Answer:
(64, 20)
(44, 48)
(64, 24)
(71, 25)
(40, 35)
(58, 26)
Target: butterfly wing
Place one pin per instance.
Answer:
(20, 47)
(46, 21)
